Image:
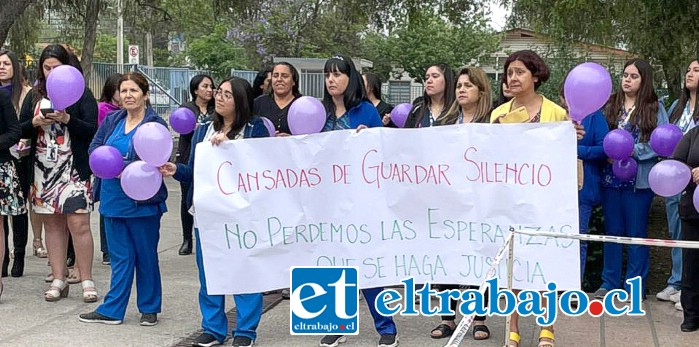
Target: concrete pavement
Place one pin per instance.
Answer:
(27, 320)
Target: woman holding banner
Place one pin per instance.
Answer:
(233, 120)
(436, 99)
(61, 193)
(285, 90)
(132, 227)
(348, 108)
(684, 113)
(472, 105)
(526, 71)
(626, 205)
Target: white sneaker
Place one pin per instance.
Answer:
(676, 297)
(666, 294)
(678, 306)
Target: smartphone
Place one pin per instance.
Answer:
(45, 111)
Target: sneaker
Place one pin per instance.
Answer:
(205, 340)
(667, 293)
(600, 293)
(388, 340)
(105, 259)
(678, 306)
(242, 341)
(676, 297)
(94, 317)
(332, 340)
(149, 319)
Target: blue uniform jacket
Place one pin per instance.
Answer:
(106, 129)
(591, 152)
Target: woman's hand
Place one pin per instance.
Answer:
(61, 116)
(579, 130)
(695, 175)
(218, 138)
(281, 134)
(168, 169)
(497, 120)
(40, 120)
(386, 119)
(361, 127)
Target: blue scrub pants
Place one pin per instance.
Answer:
(133, 247)
(674, 227)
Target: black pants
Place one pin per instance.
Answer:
(103, 237)
(20, 223)
(690, 272)
(186, 218)
(454, 303)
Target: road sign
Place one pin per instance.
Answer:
(133, 54)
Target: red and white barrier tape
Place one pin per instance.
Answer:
(465, 323)
(614, 239)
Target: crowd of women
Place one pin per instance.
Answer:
(44, 172)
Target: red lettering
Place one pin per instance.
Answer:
(473, 163)
(218, 178)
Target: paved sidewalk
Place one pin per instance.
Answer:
(27, 320)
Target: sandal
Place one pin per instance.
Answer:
(58, 289)
(514, 339)
(73, 277)
(39, 249)
(481, 328)
(444, 329)
(546, 334)
(89, 291)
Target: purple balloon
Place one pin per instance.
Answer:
(64, 86)
(400, 113)
(306, 116)
(664, 139)
(141, 181)
(669, 177)
(269, 125)
(587, 89)
(106, 162)
(695, 199)
(618, 144)
(183, 120)
(153, 143)
(625, 169)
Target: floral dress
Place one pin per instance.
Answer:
(57, 187)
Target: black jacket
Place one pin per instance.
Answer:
(81, 126)
(10, 131)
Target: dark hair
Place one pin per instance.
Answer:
(194, 85)
(354, 93)
(533, 63)
(502, 98)
(242, 97)
(111, 86)
(449, 95)
(295, 91)
(17, 78)
(373, 84)
(137, 78)
(645, 115)
(682, 103)
(260, 81)
(74, 61)
(51, 51)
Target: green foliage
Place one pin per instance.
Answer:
(432, 40)
(215, 53)
(660, 31)
(106, 48)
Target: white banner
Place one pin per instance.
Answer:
(433, 203)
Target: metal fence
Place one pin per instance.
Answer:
(313, 84)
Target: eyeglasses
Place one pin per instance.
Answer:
(228, 96)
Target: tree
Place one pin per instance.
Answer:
(432, 40)
(11, 10)
(215, 53)
(660, 31)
